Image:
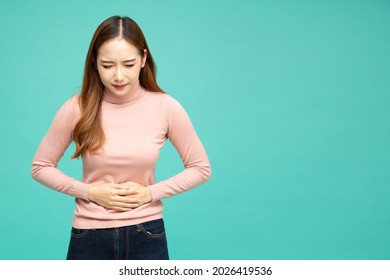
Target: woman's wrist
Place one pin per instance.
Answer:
(91, 192)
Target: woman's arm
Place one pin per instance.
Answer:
(187, 143)
(51, 149)
(53, 146)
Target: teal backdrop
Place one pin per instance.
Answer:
(290, 98)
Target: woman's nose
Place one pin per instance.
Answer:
(118, 74)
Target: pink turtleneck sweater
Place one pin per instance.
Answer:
(136, 126)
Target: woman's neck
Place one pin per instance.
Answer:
(128, 97)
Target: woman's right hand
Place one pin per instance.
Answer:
(113, 197)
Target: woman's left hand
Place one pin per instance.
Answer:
(143, 194)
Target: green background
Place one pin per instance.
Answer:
(290, 98)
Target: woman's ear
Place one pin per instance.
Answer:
(143, 59)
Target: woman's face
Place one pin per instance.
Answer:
(119, 64)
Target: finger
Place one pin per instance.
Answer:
(125, 192)
(127, 205)
(120, 186)
(125, 201)
(128, 200)
(123, 206)
(128, 183)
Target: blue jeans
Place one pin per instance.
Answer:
(146, 241)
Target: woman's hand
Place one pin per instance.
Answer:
(123, 197)
(140, 193)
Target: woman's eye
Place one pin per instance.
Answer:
(129, 65)
(106, 66)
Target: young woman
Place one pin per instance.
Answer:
(119, 122)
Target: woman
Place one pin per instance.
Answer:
(119, 122)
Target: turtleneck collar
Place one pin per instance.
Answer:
(130, 97)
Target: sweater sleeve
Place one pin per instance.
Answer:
(184, 138)
(52, 148)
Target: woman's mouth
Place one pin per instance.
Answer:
(119, 87)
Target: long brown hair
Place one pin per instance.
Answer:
(88, 133)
